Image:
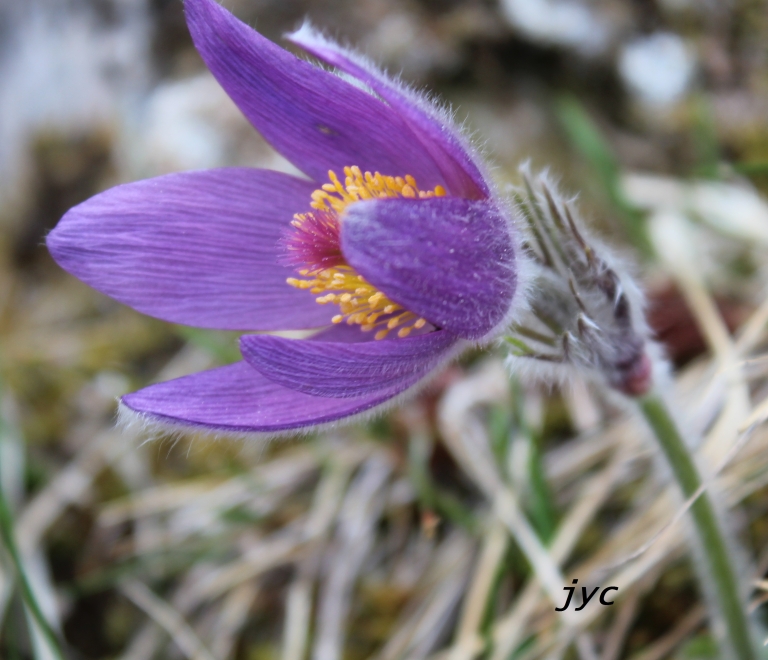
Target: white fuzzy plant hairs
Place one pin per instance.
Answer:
(584, 311)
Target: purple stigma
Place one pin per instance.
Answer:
(312, 242)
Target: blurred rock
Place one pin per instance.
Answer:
(658, 68)
(567, 23)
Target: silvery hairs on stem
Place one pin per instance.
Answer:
(584, 313)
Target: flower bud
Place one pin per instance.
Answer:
(584, 312)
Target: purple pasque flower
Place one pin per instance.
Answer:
(410, 254)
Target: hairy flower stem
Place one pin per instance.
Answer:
(717, 557)
(27, 594)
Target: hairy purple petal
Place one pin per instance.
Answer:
(344, 333)
(432, 127)
(336, 369)
(237, 398)
(446, 259)
(199, 248)
(314, 118)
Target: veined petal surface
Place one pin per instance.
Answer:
(198, 248)
(337, 369)
(312, 117)
(432, 127)
(237, 398)
(448, 260)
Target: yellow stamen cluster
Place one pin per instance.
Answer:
(358, 186)
(360, 302)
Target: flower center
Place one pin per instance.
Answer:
(312, 245)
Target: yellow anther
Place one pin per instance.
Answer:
(360, 302)
(336, 184)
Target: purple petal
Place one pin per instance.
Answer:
(448, 260)
(352, 334)
(432, 126)
(239, 399)
(314, 118)
(342, 332)
(199, 248)
(336, 369)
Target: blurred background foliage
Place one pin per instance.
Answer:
(377, 540)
